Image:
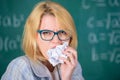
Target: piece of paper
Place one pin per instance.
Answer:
(55, 53)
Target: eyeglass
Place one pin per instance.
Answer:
(48, 35)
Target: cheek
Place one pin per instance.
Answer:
(43, 46)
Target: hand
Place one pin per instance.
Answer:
(69, 64)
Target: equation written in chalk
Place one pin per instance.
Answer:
(109, 36)
(100, 3)
(104, 29)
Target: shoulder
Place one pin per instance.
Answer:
(19, 62)
(77, 74)
(78, 67)
(17, 69)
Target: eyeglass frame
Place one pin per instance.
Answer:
(55, 33)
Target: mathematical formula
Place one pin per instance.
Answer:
(100, 3)
(14, 20)
(8, 43)
(107, 30)
(108, 33)
(112, 38)
(112, 56)
(112, 21)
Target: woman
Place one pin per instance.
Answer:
(49, 25)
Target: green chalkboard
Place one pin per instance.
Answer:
(98, 28)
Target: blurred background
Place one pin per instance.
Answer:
(98, 28)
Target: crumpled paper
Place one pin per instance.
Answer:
(55, 53)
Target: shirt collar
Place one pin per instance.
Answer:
(39, 69)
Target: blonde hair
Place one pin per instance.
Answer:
(65, 20)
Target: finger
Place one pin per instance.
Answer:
(65, 60)
(71, 58)
(71, 50)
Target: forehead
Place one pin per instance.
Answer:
(48, 21)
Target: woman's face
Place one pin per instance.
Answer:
(48, 22)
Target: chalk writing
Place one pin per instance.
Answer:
(14, 20)
(113, 20)
(100, 3)
(107, 32)
(7, 43)
(111, 56)
(92, 22)
(112, 38)
(115, 37)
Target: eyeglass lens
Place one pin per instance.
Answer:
(48, 35)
